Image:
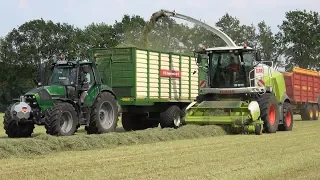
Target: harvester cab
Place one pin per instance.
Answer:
(73, 97)
(240, 90)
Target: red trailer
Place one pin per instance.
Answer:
(303, 89)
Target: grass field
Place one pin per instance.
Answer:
(284, 155)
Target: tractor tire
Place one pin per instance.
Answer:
(61, 120)
(269, 112)
(287, 118)
(307, 112)
(104, 114)
(315, 112)
(16, 129)
(171, 118)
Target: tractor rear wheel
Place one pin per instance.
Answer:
(171, 117)
(315, 112)
(16, 129)
(287, 118)
(269, 112)
(104, 114)
(61, 120)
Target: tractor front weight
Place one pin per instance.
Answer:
(241, 116)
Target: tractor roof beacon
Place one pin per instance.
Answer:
(74, 96)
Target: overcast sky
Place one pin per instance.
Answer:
(83, 12)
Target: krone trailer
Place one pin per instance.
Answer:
(151, 86)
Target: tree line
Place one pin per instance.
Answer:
(21, 50)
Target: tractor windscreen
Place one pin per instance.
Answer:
(63, 75)
(228, 70)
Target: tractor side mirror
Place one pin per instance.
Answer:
(258, 56)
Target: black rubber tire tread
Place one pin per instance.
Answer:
(284, 126)
(53, 118)
(167, 117)
(315, 110)
(94, 126)
(265, 101)
(14, 129)
(305, 112)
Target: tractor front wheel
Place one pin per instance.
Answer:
(104, 114)
(269, 112)
(61, 120)
(16, 129)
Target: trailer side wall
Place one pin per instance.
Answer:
(303, 86)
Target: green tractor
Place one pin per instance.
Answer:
(240, 90)
(74, 96)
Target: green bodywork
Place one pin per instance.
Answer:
(59, 92)
(118, 69)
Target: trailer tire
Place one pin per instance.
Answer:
(58, 112)
(315, 112)
(269, 112)
(104, 105)
(171, 118)
(15, 129)
(287, 118)
(307, 112)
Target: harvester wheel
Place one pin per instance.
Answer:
(315, 112)
(61, 120)
(15, 129)
(269, 112)
(104, 114)
(287, 118)
(171, 117)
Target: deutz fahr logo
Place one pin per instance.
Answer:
(170, 73)
(227, 91)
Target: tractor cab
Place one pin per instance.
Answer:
(229, 69)
(76, 76)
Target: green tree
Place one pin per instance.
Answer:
(266, 42)
(300, 39)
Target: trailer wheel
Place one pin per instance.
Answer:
(307, 112)
(315, 112)
(171, 117)
(134, 122)
(287, 118)
(269, 112)
(104, 114)
(61, 120)
(15, 129)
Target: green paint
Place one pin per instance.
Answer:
(121, 63)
